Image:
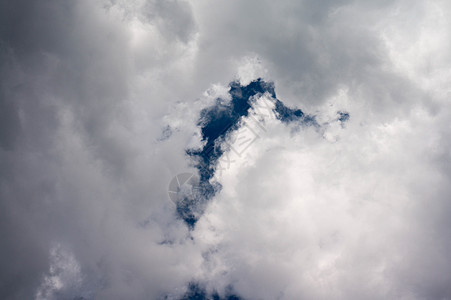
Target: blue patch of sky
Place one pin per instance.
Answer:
(216, 122)
(197, 292)
(343, 116)
(219, 120)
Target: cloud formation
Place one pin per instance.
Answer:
(100, 99)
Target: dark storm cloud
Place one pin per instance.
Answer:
(64, 145)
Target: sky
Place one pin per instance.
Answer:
(171, 149)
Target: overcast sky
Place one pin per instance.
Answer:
(100, 99)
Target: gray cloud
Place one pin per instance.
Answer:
(87, 87)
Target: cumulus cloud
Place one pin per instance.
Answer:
(99, 101)
(301, 215)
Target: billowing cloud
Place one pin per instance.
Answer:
(100, 100)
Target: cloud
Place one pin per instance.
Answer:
(301, 215)
(99, 102)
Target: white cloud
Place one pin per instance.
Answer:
(64, 276)
(300, 215)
